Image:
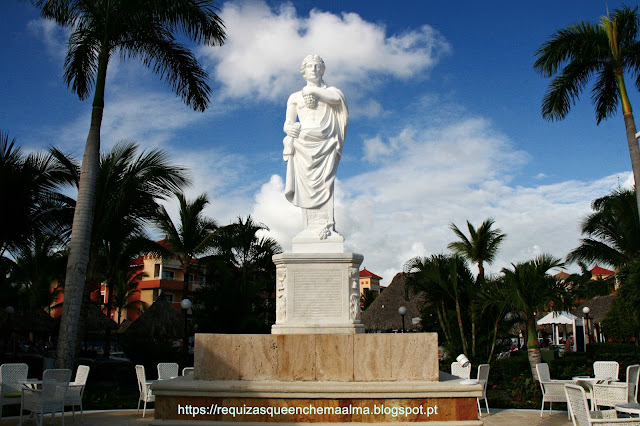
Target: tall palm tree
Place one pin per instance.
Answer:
(481, 246)
(612, 231)
(129, 183)
(189, 239)
(584, 52)
(529, 289)
(141, 29)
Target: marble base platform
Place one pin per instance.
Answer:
(317, 293)
(322, 379)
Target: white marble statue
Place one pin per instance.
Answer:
(312, 149)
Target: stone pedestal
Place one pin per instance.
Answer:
(295, 379)
(317, 293)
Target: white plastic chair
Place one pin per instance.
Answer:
(10, 389)
(48, 399)
(581, 416)
(483, 379)
(458, 370)
(144, 386)
(611, 394)
(76, 390)
(552, 390)
(187, 371)
(606, 370)
(167, 370)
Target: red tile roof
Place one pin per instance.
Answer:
(597, 270)
(366, 274)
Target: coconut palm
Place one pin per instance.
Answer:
(32, 182)
(188, 240)
(529, 289)
(482, 245)
(141, 29)
(444, 280)
(129, 183)
(612, 230)
(585, 52)
(125, 287)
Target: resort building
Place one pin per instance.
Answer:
(369, 281)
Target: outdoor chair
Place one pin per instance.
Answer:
(9, 386)
(76, 390)
(581, 416)
(167, 370)
(611, 394)
(458, 370)
(48, 399)
(483, 379)
(144, 386)
(606, 370)
(187, 371)
(552, 390)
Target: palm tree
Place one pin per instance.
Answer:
(125, 287)
(583, 52)
(190, 239)
(530, 289)
(444, 280)
(129, 183)
(482, 245)
(612, 230)
(32, 182)
(142, 29)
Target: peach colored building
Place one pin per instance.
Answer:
(369, 280)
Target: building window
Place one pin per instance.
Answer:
(168, 296)
(168, 275)
(156, 271)
(192, 278)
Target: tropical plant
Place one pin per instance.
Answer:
(238, 295)
(32, 182)
(612, 230)
(142, 29)
(367, 298)
(445, 282)
(585, 52)
(189, 239)
(124, 290)
(481, 247)
(530, 289)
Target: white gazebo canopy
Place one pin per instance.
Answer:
(555, 317)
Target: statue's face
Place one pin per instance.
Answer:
(313, 71)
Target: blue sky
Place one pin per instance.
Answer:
(444, 127)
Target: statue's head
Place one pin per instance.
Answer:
(312, 59)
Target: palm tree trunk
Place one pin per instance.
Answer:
(465, 349)
(634, 152)
(185, 293)
(107, 331)
(81, 229)
(447, 336)
(533, 347)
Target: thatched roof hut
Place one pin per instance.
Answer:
(36, 320)
(599, 306)
(159, 320)
(382, 314)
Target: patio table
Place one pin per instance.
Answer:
(628, 408)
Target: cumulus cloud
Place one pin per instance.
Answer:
(402, 206)
(53, 36)
(264, 44)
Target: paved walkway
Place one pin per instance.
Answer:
(129, 417)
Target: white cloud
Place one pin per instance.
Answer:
(53, 36)
(264, 45)
(428, 178)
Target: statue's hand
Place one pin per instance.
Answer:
(292, 130)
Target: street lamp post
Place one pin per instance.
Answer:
(186, 304)
(586, 311)
(402, 310)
